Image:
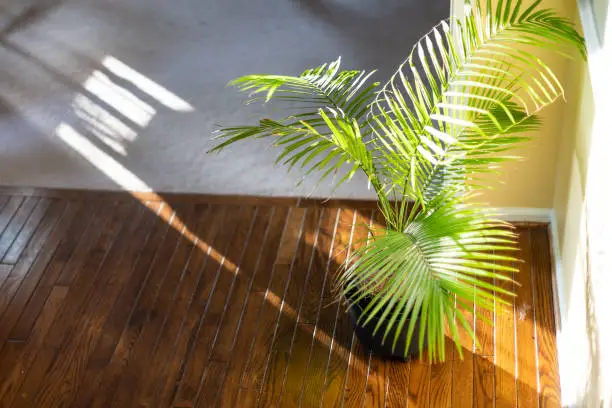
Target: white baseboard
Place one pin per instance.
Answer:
(525, 214)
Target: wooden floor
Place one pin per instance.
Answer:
(106, 301)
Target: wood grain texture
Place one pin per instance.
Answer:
(527, 375)
(210, 301)
(505, 346)
(550, 388)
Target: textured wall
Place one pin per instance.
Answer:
(50, 48)
(530, 182)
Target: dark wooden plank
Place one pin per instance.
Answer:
(353, 225)
(15, 364)
(527, 393)
(548, 366)
(377, 386)
(505, 345)
(16, 223)
(211, 385)
(19, 273)
(47, 352)
(71, 244)
(418, 387)
(398, 383)
(440, 383)
(35, 262)
(245, 337)
(377, 382)
(289, 330)
(484, 368)
(222, 348)
(116, 318)
(244, 219)
(358, 375)
(463, 380)
(79, 292)
(311, 342)
(137, 375)
(130, 359)
(275, 314)
(462, 392)
(357, 370)
(21, 240)
(73, 356)
(484, 381)
(218, 274)
(161, 358)
(8, 211)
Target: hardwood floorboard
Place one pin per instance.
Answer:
(244, 340)
(173, 326)
(441, 380)
(237, 225)
(484, 368)
(64, 257)
(4, 199)
(129, 359)
(111, 301)
(46, 352)
(398, 384)
(315, 345)
(19, 359)
(484, 381)
(527, 392)
(74, 354)
(419, 392)
(290, 325)
(23, 237)
(195, 305)
(263, 377)
(358, 366)
(78, 293)
(139, 375)
(505, 346)
(550, 388)
(17, 287)
(101, 360)
(216, 307)
(9, 209)
(34, 263)
(15, 223)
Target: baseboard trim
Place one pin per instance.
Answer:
(525, 214)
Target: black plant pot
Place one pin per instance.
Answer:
(374, 343)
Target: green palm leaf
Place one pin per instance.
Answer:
(446, 254)
(466, 93)
(328, 128)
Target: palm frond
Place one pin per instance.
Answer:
(466, 93)
(327, 129)
(346, 93)
(444, 254)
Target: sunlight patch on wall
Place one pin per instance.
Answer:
(161, 94)
(100, 159)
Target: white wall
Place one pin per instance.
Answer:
(582, 206)
(155, 73)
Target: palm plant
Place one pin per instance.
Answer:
(467, 94)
